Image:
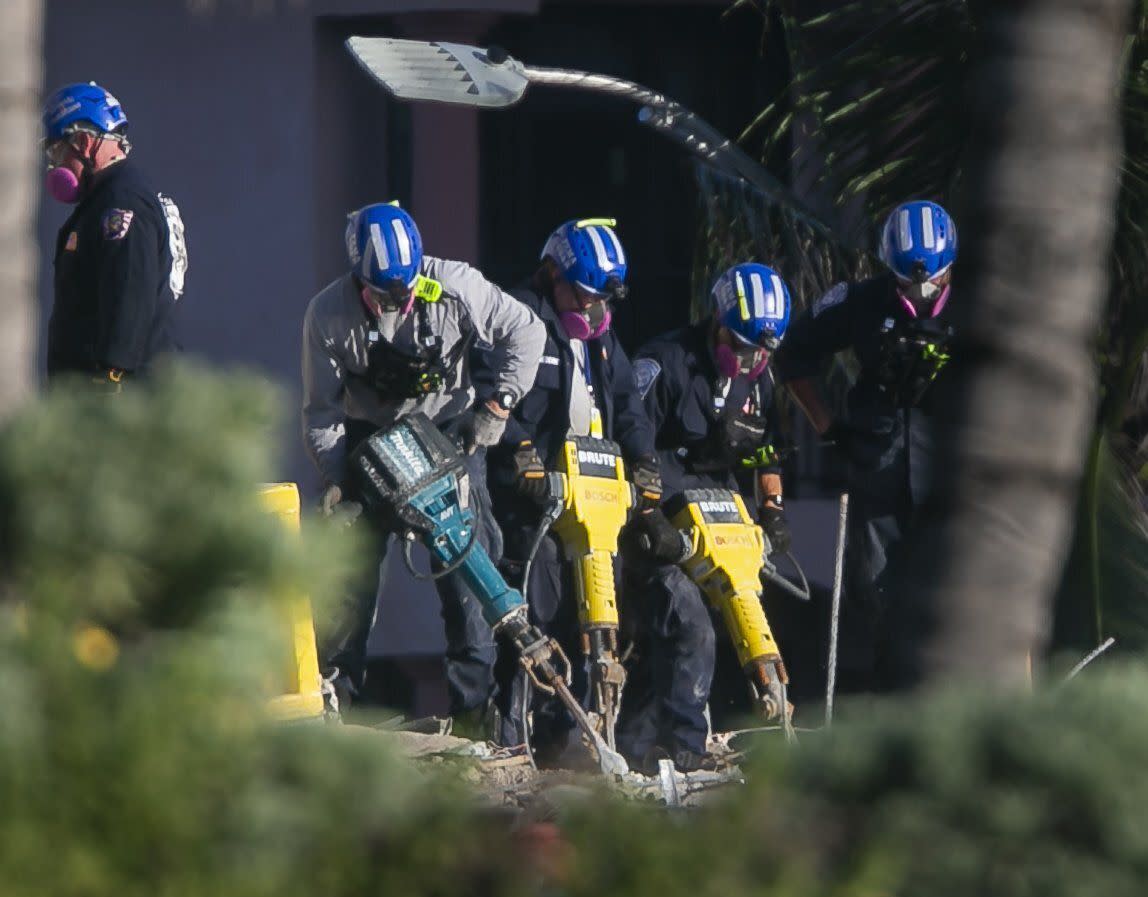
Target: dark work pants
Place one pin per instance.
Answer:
(554, 610)
(669, 684)
(888, 479)
(470, 651)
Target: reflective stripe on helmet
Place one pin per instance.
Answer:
(379, 246)
(403, 240)
(600, 256)
(758, 295)
(904, 231)
(927, 235)
(776, 307)
(619, 254)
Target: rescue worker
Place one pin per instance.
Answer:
(709, 392)
(893, 323)
(389, 338)
(585, 387)
(120, 257)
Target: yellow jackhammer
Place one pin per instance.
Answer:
(591, 501)
(727, 561)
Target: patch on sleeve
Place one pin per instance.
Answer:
(116, 223)
(646, 371)
(835, 296)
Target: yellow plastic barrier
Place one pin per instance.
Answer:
(302, 698)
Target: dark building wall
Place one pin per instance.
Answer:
(220, 112)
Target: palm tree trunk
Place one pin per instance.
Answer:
(1037, 224)
(21, 71)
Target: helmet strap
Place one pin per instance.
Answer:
(88, 159)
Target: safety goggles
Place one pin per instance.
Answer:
(396, 295)
(615, 291)
(57, 151)
(767, 342)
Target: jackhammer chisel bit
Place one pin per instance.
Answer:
(549, 669)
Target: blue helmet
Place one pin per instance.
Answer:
(76, 105)
(919, 241)
(384, 246)
(752, 301)
(589, 255)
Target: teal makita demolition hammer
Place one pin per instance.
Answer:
(409, 478)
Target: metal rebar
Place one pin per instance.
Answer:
(835, 611)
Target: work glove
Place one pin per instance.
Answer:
(481, 426)
(651, 535)
(646, 475)
(332, 504)
(776, 529)
(529, 472)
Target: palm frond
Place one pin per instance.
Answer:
(1105, 588)
(882, 83)
(741, 222)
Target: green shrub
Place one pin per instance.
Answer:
(139, 640)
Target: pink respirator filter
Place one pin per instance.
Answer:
(578, 327)
(62, 185)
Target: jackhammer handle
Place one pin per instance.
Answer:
(555, 492)
(686, 548)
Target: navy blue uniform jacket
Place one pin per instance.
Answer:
(543, 414)
(120, 265)
(678, 377)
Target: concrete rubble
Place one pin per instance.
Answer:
(510, 780)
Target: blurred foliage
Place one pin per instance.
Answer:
(940, 795)
(740, 222)
(137, 639)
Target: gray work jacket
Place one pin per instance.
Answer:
(335, 345)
